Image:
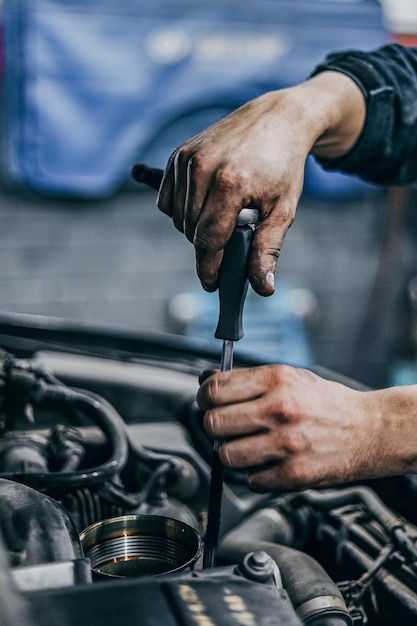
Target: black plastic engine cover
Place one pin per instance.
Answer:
(188, 600)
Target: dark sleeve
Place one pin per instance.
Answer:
(386, 151)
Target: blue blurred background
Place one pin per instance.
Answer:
(92, 86)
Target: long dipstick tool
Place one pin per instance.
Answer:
(233, 286)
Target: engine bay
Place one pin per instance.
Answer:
(104, 482)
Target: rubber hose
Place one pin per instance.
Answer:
(311, 590)
(58, 397)
(332, 499)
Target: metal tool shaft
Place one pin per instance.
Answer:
(227, 355)
(216, 484)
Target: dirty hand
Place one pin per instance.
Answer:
(291, 429)
(256, 156)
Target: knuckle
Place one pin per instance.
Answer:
(210, 422)
(279, 376)
(199, 165)
(206, 239)
(201, 398)
(208, 263)
(228, 180)
(172, 158)
(293, 442)
(209, 394)
(226, 456)
(181, 155)
(281, 394)
(203, 243)
(213, 389)
(273, 252)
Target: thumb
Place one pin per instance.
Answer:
(265, 250)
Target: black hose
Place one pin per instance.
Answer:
(314, 595)
(401, 595)
(336, 498)
(130, 501)
(332, 499)
(60, 397)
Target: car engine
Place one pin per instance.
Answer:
(104, 483)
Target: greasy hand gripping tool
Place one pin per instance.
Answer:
(233, 286)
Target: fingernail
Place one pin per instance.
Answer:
(270, 279)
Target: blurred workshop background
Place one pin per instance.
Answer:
(89, 87)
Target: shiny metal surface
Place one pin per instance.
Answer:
(248, 215)
(138, 545)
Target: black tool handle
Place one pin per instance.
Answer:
(233, 284)
(151, 176)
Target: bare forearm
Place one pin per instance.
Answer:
(343, 104)
(397, 411)
(325, 114)
(386, 152)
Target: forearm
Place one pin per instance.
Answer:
(386, 150)
(396, 413)
(344, 110)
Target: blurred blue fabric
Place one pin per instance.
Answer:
(92, 86)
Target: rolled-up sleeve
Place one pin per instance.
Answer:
(386, 151)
